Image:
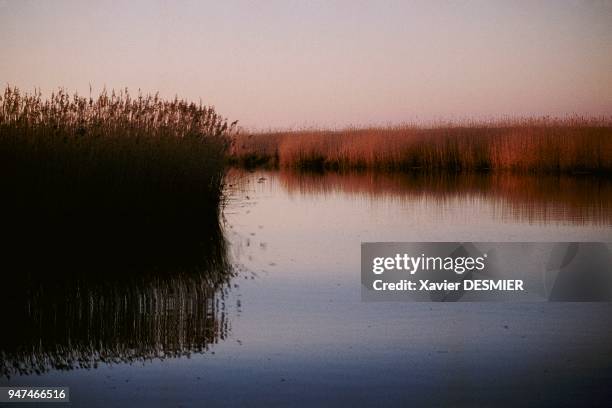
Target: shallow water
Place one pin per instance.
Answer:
(290, 326)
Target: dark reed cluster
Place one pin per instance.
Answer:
(108, 181)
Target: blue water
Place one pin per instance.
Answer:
(298, 333)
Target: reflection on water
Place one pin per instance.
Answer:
(303, 324)
(79, 317)
(66, 319)
(304, 236)
(534, 199)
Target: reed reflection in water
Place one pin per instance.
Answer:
(576, 200)
(69, 319)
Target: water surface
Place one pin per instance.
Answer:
(287, 325)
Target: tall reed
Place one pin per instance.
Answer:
(528, 145)
(113, 177)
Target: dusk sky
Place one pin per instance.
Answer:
(278, 64)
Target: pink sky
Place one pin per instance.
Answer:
(277, 64)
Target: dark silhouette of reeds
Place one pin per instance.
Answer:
(109, 181)
(69, 320)
(569, 145)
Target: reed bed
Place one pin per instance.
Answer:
(111, 177)
(569, 145)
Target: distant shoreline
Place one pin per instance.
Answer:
(569, 146)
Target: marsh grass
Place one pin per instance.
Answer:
(570, 145)
(108, 180)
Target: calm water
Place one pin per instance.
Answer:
(277, 317)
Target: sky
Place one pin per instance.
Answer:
(293, 64)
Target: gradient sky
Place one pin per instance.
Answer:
(276, 64)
